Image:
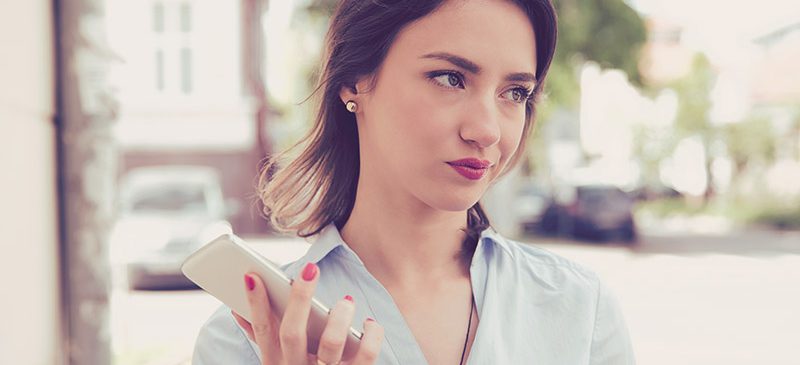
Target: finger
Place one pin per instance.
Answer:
(331, 343)
(264, 324)
(370, 346)
(293, 332)
(245, 325)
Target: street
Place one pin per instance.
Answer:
(719, 298)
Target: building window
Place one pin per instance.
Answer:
(158, 17)
(159, 70)
(186, 17)
(173, 46)
(186, 70)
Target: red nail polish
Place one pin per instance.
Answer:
(250, 282)
(347, 297)
(370, 319)
(310, 271)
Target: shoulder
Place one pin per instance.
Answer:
(546, 264)
(222, 341)
(544, 274)
(578, 288)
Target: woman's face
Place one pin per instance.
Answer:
(453, 86)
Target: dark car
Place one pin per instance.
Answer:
(653, 192)
(599, 212)
(530, 203)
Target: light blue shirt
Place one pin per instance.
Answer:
(535, 307)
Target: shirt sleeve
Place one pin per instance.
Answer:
(222, 342)
(611, 343)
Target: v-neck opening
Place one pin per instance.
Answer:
(401, 330)
(398, 334)
(388, 317)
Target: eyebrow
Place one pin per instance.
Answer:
(472, 67)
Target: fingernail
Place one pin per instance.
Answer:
(370, 319)
(347, 297)
(310, 271)
(248, 280)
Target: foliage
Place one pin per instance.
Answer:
(694, 103)
(749, 139)
(780, 219)
(608, 32)
(766, 212)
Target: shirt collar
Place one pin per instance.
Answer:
(329, 238)
(323, 243)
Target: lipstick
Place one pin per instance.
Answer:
(469, 172)
(470, 167)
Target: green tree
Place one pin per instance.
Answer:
(693, 98)
(749, 140)
(608, 32)
(694, 104)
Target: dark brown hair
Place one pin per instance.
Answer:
(319, 185)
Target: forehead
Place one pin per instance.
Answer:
(495, 34)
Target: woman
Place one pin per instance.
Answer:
(425, 104)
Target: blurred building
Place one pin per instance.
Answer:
(776, 86)
(184, 95)
(777, 79)
(776, 96)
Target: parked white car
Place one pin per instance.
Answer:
(165, 214)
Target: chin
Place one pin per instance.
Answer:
(453, 202)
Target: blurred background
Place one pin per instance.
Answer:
(666, 157)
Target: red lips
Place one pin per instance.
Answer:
(471, 168)
(471, 162)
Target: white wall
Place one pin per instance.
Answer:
(29, 302)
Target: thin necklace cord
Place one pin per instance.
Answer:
(469, 325)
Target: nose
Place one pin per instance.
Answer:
(480, 124)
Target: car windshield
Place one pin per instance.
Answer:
(169, 199)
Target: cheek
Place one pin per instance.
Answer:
(510, 139)
(414, 122)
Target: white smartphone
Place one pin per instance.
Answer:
(219, 268)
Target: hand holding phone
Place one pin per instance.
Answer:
(283, 340)
(289, 325)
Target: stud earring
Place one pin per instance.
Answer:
(351, 106)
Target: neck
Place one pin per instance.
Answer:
(406, 246)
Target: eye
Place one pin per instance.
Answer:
(448, 79)
(520, 94)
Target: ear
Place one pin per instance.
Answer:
(347, 93)
(355, 91)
